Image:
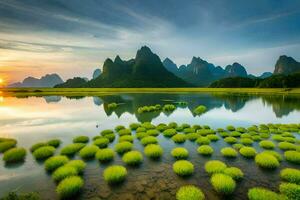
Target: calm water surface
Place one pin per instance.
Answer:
(37, 119)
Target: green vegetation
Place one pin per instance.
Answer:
(179, 138)
(69, 187)
(153, 151)
(105, 155)
(79, 165)
(54, 142)
(38, 145)
(266, 144)
(22, 196)
(112, 106)
(149, 140)
(248, 152)
(229, 152)
(169, 132)
(213, 137)
(291, 190)
(189, 192)
(6, 145)
(203, 141)
(144, 109)
(259, 193)
(237, 146)
(71, 149)
(246, 141)
(286, 146)
(223, 184)
(180, 153)
(14, 155)
(199, 110)
(152, 132)
(266, 160)
(124, 131)
(63, 172)
(205, 150)
(183, 168)
(275, 154)
(234, 172)
(132, 158)
(291, 175)
(292, 156)
(215, 166)
(81, 139)
(101, 142)
(44, 152)
(169, 108)
(230, 128)
(134, 126)
(123, 147)
(115, 174)
(230, 140)
(119, 127)
(55, 162)
(88, 152)
(106, 132)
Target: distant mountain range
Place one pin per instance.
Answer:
(286, 65)
(49, 80)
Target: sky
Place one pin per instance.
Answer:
(74, 37)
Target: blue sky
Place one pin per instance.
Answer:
(74, 37)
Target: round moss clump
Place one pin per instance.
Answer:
(275, 154)
(213, 137)
(223, 184)
(192, 136)
(292, 156)
(69, 187)
(229, 152)
(215, 166)
(183, 168)
(115, 174)
(179, 138)
(43, 153)
(123, 147)
(101, 142)
(141, 135)
(291, 190)
(266, 144)
(169, 132)
(106, 132)
(110, 137)
(79, 165)
(88, 152)
(258, 193)
(54, 142)
(290, 175)
(234, 172)
(237, 146)
(64, 172)
(124, 132)
(205, 150)
(134, 126)
(149, 140)
(246, 141)
(189, 192)
(14, 155)
(248, 152)
(286, 146)
(230, 140)
(38, 145)
(265, 160)
(119, 127)
(199, 110)
(230, 128)
(153, 151)
(105, 155)
(180, 153)
(132, 158)
(152, 132)
(71, 149)
(81, 139)
(203, 141)
(128, 138)
(55, 162)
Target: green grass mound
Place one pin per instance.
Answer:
(119, 127)
(205, 150)
(106, 132)
(105, 155)
(79, 165)
(110, 137)
(140, 129)
(285, 146)
(223, 184)
(16, 154)
(43, 153)
(169, 108)
(224, 134)
(229, 152)
(71, 149)
(38, 145)
(81, 139)
(291, 190)
(152, 132)
(180, 153)
(54, 142)
(115, 174)
(215, 166)
(63, 172)
(179, 138)
(153, 151)
(123, 147)
(213, 137)
(124, 132)
(133, 158)
(169, 132)
(235, 134)
(275, 154)
(248, 152)
(230, 128)
(290, 175)
(189, 192)
(183, 168)
(149, 140)
(237, 146)
(101, 142)
(259, 193)
(134, 126)
(265, 160)
(55, 162)
(69, 187)
(199, 110)
(7, 144)
(141, 135)
(230, 140)
(292, 156)
(128, 138)
(203, 141)
(234, 172)
(246, 141)
(192, 136)
(88, 152)
(112, 106)
(266, 144)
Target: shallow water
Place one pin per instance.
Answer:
(36, 119)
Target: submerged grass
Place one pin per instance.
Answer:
(69, 187)
(14, 155)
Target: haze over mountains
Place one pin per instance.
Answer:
(49, 80)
